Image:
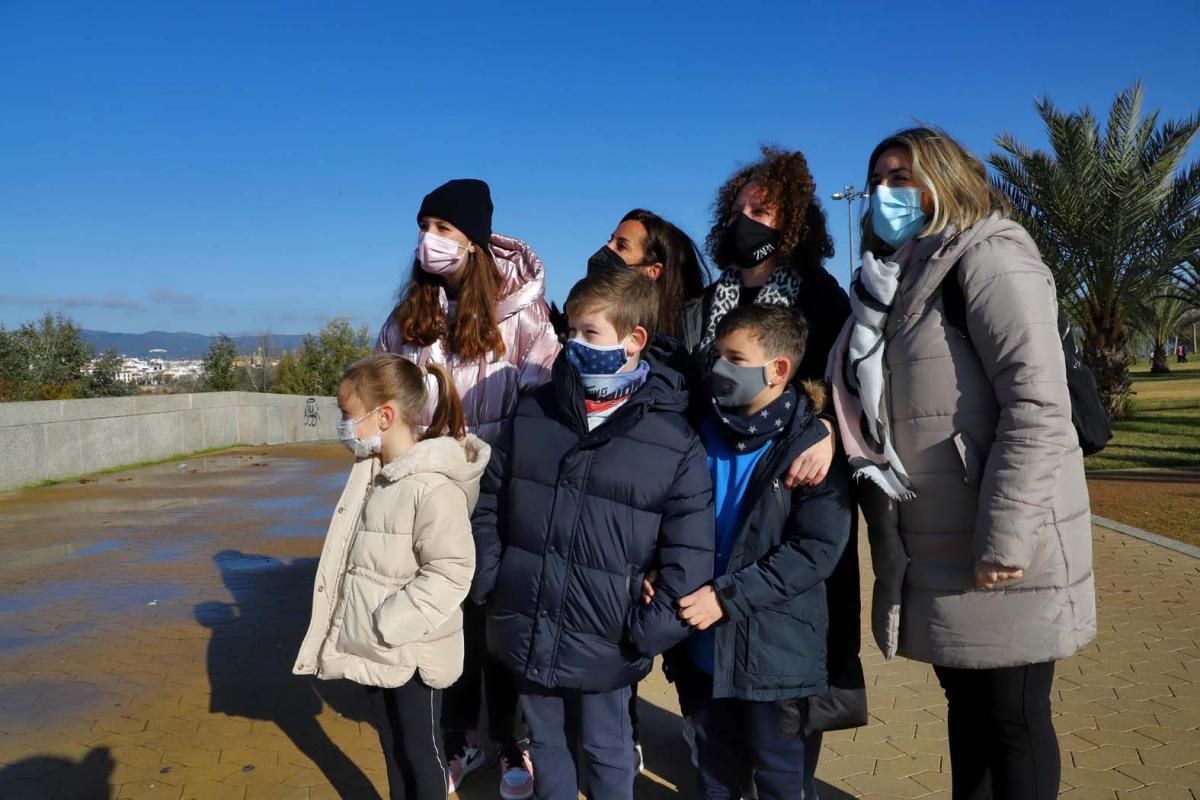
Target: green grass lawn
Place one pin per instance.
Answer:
(1163, 430)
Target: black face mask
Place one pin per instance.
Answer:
(747, 243)
(603, 260)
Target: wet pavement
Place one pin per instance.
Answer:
(149, 619)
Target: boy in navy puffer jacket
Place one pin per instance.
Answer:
(597, 481)
(760, 644)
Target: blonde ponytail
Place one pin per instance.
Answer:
(447, 414)
(387, 377)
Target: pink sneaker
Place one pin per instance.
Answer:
(466, 756)
(516, 774)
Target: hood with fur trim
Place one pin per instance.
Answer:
(463, 462)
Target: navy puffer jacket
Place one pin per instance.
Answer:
(771, 645)
(569, 522)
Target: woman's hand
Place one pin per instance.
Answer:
(811, 466)
(701, 609)
(990, 576)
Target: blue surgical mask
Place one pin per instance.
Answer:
(896, 214)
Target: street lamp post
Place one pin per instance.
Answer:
(850, 194)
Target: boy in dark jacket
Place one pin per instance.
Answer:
(597, 481)
(761, 623)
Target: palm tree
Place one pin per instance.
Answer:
(1114, 212)
(1159, 319)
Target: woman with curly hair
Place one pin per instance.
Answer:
(769, 239)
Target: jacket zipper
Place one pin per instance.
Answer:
(767, 466)
(345, 568)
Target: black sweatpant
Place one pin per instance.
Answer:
(485, 679)
(1002, 742)
(407, 720)
(739, 738)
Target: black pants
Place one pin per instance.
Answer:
(735, 737)
(407, 720)
(1002, 742)
(484, 678)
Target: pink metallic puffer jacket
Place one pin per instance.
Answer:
(489, 386)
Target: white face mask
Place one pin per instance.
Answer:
(362, 448)
(438, 255)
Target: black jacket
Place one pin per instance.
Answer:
(772, 643)
(822, 302)
(569, 522)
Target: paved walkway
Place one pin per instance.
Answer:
(148, 622)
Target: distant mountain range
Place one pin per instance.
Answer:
(180, 345)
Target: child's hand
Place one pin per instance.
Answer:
(648, 586)
(811, 466)
(701, 609)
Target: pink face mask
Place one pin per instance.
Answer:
(437, 254)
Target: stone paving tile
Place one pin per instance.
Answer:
(154, 660)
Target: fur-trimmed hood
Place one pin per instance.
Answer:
(461, 461)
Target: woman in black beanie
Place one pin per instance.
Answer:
(474, 304)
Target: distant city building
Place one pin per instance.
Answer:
(152, 371)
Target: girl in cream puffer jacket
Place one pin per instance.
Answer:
(398, 561)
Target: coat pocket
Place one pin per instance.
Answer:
(363, 593)
(970, 458)
(633, 584)
(779, 643)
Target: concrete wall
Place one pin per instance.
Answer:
(57, 438)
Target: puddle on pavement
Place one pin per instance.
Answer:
(234, 561)
(101, 599)
(297, 530)
(48, 554)
(155, 546)
(282, 503)
(16, 641)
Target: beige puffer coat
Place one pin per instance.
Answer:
(983, 428)
(397, 564)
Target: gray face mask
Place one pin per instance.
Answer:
(733, 386)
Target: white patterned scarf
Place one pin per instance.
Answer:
(781, 289)
(857, 377)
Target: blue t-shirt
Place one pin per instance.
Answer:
(731, 470)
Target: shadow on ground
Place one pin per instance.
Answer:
(1148, 476)
(39, 777)
(251, 654)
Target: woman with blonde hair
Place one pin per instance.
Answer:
(974, 493)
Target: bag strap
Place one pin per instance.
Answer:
(954, 303)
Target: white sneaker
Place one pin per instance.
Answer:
(469, 758)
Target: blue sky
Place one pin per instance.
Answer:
(240, 166)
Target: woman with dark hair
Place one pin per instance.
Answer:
(665, 254)
(473, 304)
